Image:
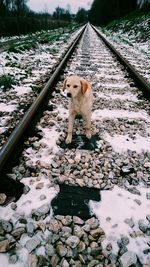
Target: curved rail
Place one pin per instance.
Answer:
(142, 83)
(20, 129)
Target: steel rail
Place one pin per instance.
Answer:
(4, 45)
(143, 84)
(22, 126)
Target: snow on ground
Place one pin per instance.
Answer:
(23, 259)
(130, 37)
(22, 90)
(46, 148)
(27, 203)
(25, 206)
(112, 114)
(7, 108)
(123, 143)
(123, 97)
(115, 208)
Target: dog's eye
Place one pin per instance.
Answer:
(68, 85)
(75, 86)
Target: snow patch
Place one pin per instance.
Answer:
(29, 201)
(129, 97)
(21, 90)
(122, 143)
(114, 208)
(7, 108)
(47, 147)
(120, 114)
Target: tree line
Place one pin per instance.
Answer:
(13, 7)
(103, 11)
(17, 18)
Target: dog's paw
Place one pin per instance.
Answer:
(68, 140)
(88, 134)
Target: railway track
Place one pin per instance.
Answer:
(20, 77)
(72, 180)
(137, 55)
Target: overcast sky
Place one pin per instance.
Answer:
(50, 5)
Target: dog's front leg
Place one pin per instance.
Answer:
(88, 126)
(70, 127)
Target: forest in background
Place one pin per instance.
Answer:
(102, 12)
(16, 18)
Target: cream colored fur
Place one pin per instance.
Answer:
(80, 102)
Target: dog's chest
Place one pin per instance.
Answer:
(76, 105)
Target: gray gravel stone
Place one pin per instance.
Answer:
(77, 220)
(13, 259)
(97, 232)
(55, 226)
(4, 245)
(81, 246)
(86, 228)
(93, 263)
(6, 226)
(13, 206)
(65, 263)
(18, 232)
(30, 228)
(42, 211)
(32, 260)
(128, 258)
(61, 250)
(32, 243)
(125, 240)
(148, 196)
(2, 198)
(78, 231)
(142, 226)
(54, 260)
(73, 241)
(49, 249)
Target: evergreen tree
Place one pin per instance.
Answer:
(103, 11)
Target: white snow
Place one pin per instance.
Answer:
(115, 113)
(25, 205)
(47, 148)
(122, 143)
(22, 262)
(21, 90)
(112, 85)
(7, 108)
(27, 202)
(63, 113)
(117, 205)
(123, 97)
(2, 130)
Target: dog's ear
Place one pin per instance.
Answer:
(84, 86)
(64, 85)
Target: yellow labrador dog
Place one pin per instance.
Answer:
(80, 102)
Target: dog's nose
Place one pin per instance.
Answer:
(69, 94)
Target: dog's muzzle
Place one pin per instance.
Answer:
(69, 95)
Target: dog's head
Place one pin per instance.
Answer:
(74, 85)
